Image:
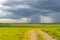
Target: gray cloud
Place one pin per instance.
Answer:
(55, 16)
(37, 7)
(35, 19)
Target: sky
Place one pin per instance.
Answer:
(29, 11)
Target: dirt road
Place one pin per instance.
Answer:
(32, 35)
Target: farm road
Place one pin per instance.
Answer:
(32, 35)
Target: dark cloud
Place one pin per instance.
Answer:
(38, 7)
(35, 19)
(53, 5)
(40, 4)
(25, 12)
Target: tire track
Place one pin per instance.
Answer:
(31, 35)
(45, 35)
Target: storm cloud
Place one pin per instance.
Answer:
(17, 9)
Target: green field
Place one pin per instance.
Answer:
(17, 31)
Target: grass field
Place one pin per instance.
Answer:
(17, 31)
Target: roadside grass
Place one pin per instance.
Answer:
(12, 33)
(54, 32)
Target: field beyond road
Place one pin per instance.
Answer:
(29, 31)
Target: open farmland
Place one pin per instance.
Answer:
(29, 31)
